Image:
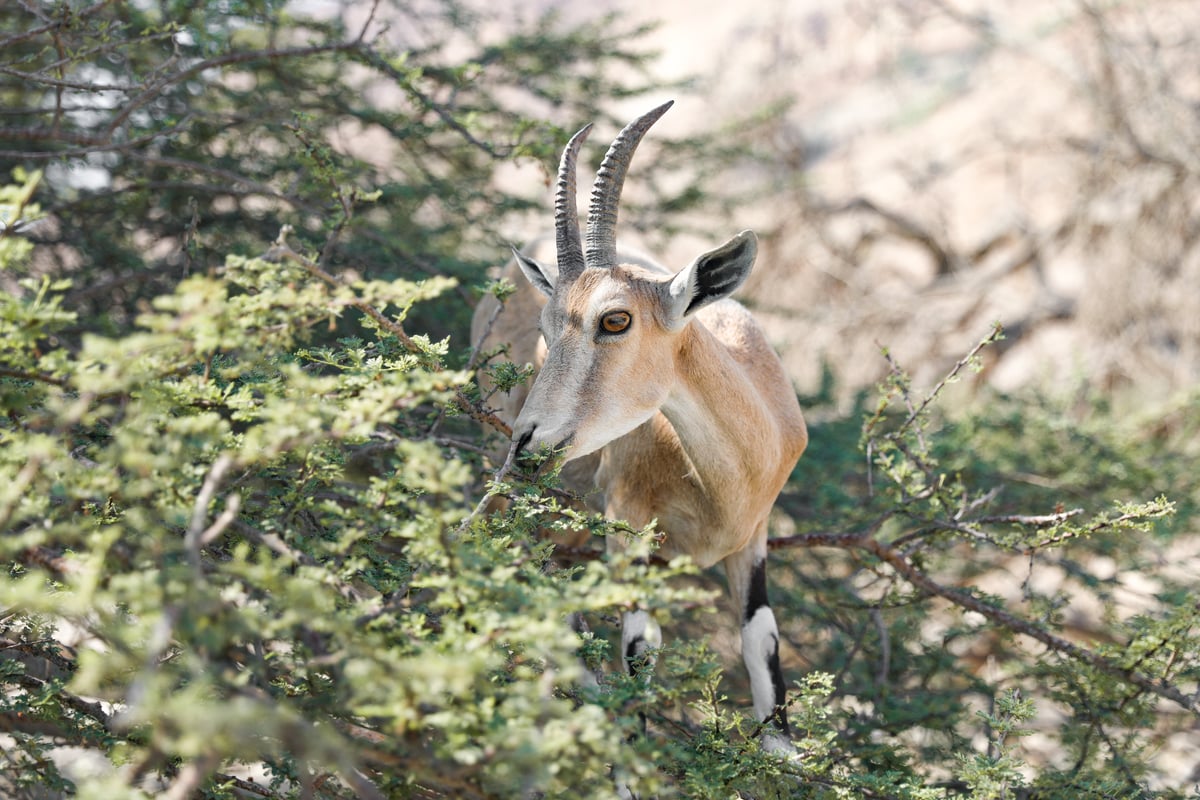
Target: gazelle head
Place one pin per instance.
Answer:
(611, 329)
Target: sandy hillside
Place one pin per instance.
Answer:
(948, 164)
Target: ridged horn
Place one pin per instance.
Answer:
(601, 250)
(566, 212)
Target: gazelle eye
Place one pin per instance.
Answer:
(615, 321)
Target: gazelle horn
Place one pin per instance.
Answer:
(601, 249)
(566, 214)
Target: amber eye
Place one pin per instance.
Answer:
(615, 321)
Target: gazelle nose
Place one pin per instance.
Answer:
(523, 437)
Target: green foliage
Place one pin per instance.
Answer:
(1060, 678)
(173, 134)
(236, 478)
(262, 552)
(997, 773)
(256, 545)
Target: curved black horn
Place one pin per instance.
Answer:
(566, 213)
(606, 191)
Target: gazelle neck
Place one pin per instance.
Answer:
(723, 422)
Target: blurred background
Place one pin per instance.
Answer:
(937, 166)
(916, 170)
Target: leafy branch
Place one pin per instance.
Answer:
(934, 502)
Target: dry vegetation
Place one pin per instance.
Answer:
(944, 165)
(928, 168)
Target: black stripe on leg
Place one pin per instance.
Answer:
(756, 598)
(635, 661)
(756, 592)
(780, 715)
(631, 654)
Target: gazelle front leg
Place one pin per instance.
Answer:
(641, 636)
(747, 572)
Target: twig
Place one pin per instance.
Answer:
(191, 776)
(885, 647)
(362, 786)
(481, 415)
(472, 359)
(889, 555)
(1037, 521)
(968, 601)
(230, 59)
(374, 59)
(477, 345)
(229, 176)
(282, 250)
(905, 226)
(362, 33)
(93, 144)
(232, 505)
(196, 532)
(995, 335)
(280, 547)
(500, 475)
(345, 200)
(17, 488)
(58, 23)
(979, 502)
(88, 708)
(244, 785)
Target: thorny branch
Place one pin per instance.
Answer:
(281, 250)
(888, 554)
(970, 358)
(896, 553)
(197, 533)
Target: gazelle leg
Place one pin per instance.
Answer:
(747, 571)
(640, 634)
(640, 637)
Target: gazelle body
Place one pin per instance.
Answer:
(663, 395)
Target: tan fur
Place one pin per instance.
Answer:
(710, 462)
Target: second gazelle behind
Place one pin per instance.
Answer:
(663, 394)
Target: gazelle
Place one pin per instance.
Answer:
(661, 393)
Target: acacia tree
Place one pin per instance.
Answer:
(198, 440)
(238, 477)
(173, 133)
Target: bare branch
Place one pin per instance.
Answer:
(33, 33)
(500, 475)
(191, 775)
(962, 599)
(32, 376)
(91, 144)
(281, 250)
(1034, 520)
(995, 336)
(88, 708)
(229, 59)
(196, 532)
(905, 226)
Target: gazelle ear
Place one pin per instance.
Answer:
(540, 275)
(711, 277)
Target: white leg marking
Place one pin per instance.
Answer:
(639, 633)
(760, 644)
